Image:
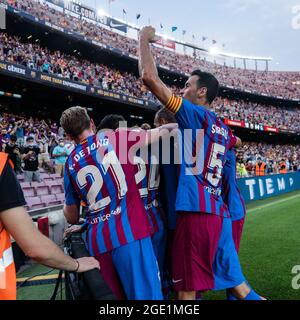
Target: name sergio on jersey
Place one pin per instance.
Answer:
(218, 130)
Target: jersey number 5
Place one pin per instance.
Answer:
(215, 164)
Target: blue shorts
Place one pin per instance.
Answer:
(138, 270)
(226, 267)
(159, 243)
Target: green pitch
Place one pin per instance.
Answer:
(270, 248)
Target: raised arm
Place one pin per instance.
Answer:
(147, 67)
(13, 131)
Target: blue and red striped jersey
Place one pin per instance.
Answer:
(168, 186)
(148, 181)
(205, 142)
(115, 213)
(230, 191)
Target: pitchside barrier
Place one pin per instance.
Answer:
(257, 188)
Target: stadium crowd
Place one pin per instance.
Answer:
(255, 113)
(284, 84)
(36, 57)
(126, 229)
(36, 145)
(273, 156)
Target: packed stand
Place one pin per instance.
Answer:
(273, 159)
(35, 57)
(38, 150)
(66, 66)
(255, 113)
(284, 84)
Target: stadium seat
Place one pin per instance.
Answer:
(60, 180)
(44, 176)
(50, 200)
(55, 187)
(28, 190)
(20, 177)
(36, 184)
(34, 203)
(25, 185)
(55, 176)
(42, 190)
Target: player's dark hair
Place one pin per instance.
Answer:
(75, 120)
(208, 81)
(112, 121)
(166, 115)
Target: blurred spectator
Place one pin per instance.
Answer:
(241, 170)
(4, 136)
(19, 129)
(260, 168)
(43, 143)
(250, 167)
(30, 158)
(70, 145)
(283, 166)
(13, 150)
(60, 154)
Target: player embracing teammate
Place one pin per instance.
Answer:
(101, 173)
(126, 228)
(204, 253)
